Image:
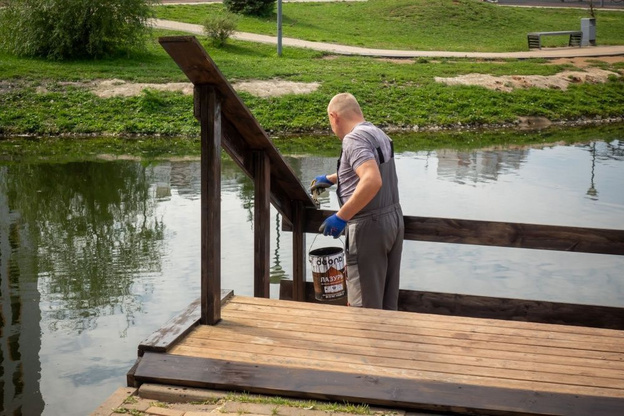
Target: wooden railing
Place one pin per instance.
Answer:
(227, 123)
(500, 234)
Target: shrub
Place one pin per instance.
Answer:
(219, 27)
(250, 7)
(60, 29)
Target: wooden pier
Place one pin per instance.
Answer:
(500, 357)
(398, 359)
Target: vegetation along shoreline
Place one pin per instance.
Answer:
(54, 97)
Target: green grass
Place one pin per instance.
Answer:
(391, 94)
(450, 25)
(35, 98)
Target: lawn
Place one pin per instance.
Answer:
(449, 25)
(42, 97)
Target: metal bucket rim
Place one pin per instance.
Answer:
(326, 251)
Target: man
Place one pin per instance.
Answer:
(369, 206)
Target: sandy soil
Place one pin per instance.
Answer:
(270, 88)
(508, 83)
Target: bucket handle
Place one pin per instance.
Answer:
(316, 236)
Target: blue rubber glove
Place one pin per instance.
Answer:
(333, 226)
(321, 182)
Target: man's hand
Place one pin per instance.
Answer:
(333, 226)
(320, 182)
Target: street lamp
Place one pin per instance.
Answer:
(279, 27)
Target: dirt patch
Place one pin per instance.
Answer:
(586, 62)
(118, 88)
(397, 60)
(270, 88)
(6, 86)
(508, 83)
(275, 88)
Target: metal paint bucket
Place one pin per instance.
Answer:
(329, 273)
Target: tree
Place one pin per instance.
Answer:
(250, 7)
(60, 29)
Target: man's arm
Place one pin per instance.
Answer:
(366, 189)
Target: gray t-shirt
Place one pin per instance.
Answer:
(359, 146)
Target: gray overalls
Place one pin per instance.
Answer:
(375, 238)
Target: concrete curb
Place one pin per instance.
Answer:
(571, 52)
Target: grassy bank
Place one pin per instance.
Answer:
(40, 97)
(453, 25)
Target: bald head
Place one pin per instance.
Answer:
(345, 105)
(344, 113)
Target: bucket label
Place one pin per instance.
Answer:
(328, 271)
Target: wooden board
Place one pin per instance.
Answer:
(399, 359)
(177, 327)
(452, 304)
(500, 234)
(383, 391)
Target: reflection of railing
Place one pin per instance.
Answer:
(226, 121)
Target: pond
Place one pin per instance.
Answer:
(94, 256)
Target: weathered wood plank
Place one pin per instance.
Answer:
(411, 319)
(399, 331)
(500, 234)
(243, 132)
(374, 353)
(262, 219)
(434, 339)
(177, 327)
(396, 366)
(391, 323)
(210, 111)
(377, 390)
(449, 304)
(232, 331)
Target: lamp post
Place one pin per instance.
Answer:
(279, 27)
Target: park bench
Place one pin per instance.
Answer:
(535, 38)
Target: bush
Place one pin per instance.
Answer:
(60, 29)
(220, 27)
(250, 7)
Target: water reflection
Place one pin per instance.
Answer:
(95, 256)
(471, 168)
(20, 314)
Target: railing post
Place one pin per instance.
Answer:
(262, 219)
(210, 121)
(299, 257)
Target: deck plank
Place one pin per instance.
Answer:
(385, 322)
(411, 349)
(325, 351)
(408, 393)
(409, 318)
(371, 331)
(415, 363)
(250, 334)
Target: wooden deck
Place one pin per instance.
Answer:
(409, 360)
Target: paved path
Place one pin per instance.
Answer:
(568, 52)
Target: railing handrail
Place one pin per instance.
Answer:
(500, 234)
(241, 132)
